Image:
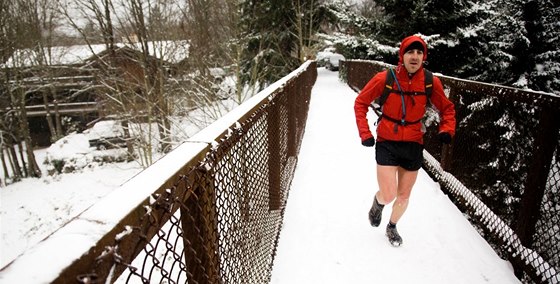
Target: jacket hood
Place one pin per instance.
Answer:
(408, 41)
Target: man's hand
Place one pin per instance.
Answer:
(444, 137)
(369, 142)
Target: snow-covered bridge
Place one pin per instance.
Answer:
(277, 191)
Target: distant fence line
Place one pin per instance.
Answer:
(502, 169)
(210, 211)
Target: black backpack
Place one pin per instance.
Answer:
(377, 105)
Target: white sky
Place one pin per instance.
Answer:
(326, 237)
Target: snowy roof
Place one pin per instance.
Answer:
(171, 51)
(57, 55)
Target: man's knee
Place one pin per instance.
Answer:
(386, 197)
(402, 200)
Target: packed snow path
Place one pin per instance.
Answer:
(326, 237)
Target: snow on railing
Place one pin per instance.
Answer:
(244, 160)
(492, 221)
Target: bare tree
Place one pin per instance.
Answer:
(136, 69)
(23, 26)
(217, 44)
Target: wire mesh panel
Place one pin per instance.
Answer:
(546, 238)
(218, 218)
(503, 167)
(231, 215)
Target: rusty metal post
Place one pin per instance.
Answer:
(447, 150)
(546, 140)
(200, 227)
(274, 179)
(293, 92)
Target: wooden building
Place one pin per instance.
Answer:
(68, 87)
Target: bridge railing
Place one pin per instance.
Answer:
(502, 168)
(208, 212)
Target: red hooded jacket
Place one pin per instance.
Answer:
(415, 106)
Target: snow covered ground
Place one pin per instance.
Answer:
(33, 209)
(326, 236)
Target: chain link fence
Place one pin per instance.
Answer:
(217, 216)
(225, 214)
(502, 169)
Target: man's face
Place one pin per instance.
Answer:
(413, 60)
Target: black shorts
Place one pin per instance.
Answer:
(407, 155)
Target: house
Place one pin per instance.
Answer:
(67, 86)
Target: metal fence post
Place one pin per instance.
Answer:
(545, 143)
(199, 221)
(447, 149)
(292, 92)
(274, 178)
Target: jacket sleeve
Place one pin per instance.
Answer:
(370, 92)
(445, 107)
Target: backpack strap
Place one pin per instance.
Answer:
(428, 82)
(428, 86)
(389, 80)
(387, 89)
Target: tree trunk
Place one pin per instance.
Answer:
(32, 166)
(57, 116)
(12, 156)
(129, 146)
(22, 159)
(4, 165)
(49, 118)
(33, 169)
(163, 128)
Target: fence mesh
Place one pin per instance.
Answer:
(219, 221)
(502, 169)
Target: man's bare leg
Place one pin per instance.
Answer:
(387, 181)
(406, 180)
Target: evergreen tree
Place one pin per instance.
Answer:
(280, 35)
(516, 44)
(427, 17)
(497, 46)
(357, 36)
(439, 21)
(344, 18)
(543, 26)
(398, 19)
